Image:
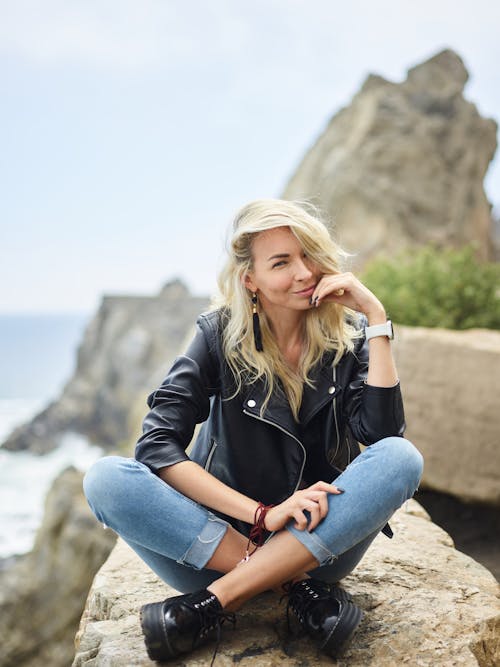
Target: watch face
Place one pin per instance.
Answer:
(390, 328)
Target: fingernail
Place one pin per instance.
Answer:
(340, 490)
(311, 301)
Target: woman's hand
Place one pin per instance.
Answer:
(313, 499)
(347, 290)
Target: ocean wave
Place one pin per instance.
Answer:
(25, 479)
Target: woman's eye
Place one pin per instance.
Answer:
(282, 263)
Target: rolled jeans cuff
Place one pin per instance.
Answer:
(204, 545)
(314, 543)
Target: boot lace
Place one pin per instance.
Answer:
(305, 593)
(210, 618)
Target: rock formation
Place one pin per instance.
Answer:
(425, 604)
(404, 164)
(43, 594)
(127, 347)
(449, 381)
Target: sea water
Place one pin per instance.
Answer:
(25, 478)
(37, 355)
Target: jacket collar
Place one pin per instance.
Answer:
(278, 411)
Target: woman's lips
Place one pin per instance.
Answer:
(306, 292)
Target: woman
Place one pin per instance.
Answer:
(290, 370)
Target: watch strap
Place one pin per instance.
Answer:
(384, 329)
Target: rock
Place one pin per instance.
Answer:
(425, 604)
(404, 164)
(127, 348)
(449, 381)
(42, 594)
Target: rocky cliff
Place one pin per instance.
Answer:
(425, 604)
(404, 164)
(43, 594)
(127, 348)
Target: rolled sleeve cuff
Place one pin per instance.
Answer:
(156, 460)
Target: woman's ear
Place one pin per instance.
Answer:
(248, 282)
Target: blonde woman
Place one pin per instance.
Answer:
(288, 372)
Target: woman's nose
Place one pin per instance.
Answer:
(303, 272)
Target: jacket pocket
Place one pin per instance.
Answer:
(210, 456)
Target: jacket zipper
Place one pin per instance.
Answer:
(334, 405)
(211, 455)
(267, 421)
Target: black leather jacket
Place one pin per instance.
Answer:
(264, 457)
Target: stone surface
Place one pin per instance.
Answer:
(404, 164)
(449, 381)
(126, 350)
(425, 604)
(42, 595)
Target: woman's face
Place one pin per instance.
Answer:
(282, 274)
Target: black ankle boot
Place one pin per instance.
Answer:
(182, 623)
(326, 612)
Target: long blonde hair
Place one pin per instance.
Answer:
(326, 328)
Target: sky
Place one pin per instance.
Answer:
(132, 131)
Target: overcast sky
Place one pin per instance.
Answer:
(131, 131)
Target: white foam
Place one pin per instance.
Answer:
(17, 411)
(25, 479)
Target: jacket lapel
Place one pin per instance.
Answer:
(278, 411)
(324, 391)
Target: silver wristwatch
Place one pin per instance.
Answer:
(384, 329)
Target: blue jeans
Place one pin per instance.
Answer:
(176, 536)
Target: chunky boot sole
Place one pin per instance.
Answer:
(340, 594)
(349, 618)
(153, 629)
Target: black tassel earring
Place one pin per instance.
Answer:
(257, 334)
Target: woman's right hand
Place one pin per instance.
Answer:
(313, 499)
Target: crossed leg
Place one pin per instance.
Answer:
(280, 559)
(376, 484)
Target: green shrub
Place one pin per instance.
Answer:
(434, 287)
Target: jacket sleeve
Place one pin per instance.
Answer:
(372, 412)
(181, 402)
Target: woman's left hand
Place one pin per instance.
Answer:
(349, 291)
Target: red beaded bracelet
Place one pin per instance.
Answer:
(256, 535)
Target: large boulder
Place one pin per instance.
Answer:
(127, 347)
(449, 381)
(425, 604)
(404, 164)
(42, 595)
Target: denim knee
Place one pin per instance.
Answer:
(155, 519)
(376, 484)
(99, 482)
(403, 462)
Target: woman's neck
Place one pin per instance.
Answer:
(288, 330)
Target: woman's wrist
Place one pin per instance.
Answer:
(253, 510)
(376, 316)
(257, 533)
(259, 517)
